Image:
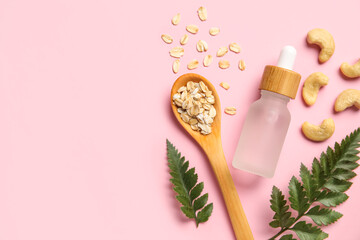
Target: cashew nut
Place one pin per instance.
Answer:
(324, 40)
(319, 133)
(351, 71)
(312, 85)
(348, 98)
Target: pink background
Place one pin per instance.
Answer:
(85, 112)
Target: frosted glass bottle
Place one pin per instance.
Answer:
(267, 121)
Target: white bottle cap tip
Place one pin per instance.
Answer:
(287, 57)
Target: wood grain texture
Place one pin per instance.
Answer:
(280, 80)
(212, 146)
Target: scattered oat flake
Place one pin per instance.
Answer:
(235, 47)
(202, 46)
(224, 64)
(177, 52)
(202, 13)
(176, 66)
(214, 31)
(230, 110)
(193, 64)
(222, 51)
(242, 65)
(207, 60)
(167, 38)
(184, 39)
(192, 28)
(225, 85)
(176, 19)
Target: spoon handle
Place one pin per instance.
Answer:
(235, 210)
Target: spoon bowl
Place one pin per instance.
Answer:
(212, 146)
(215, 134)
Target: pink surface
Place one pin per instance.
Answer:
(84, 113)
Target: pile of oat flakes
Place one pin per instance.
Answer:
(195, 103)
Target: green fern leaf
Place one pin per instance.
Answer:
(348, 165)
(331, 199)
(185, 185)
(330, 156)
(190, 179)
(323, 216)
(337, 185)
(204, 214)
(183, 200)
(308, 183)
(325, 184)
(317, 173)
(308, 232)
(196, 191)
(298, 199)
(188, 211)
(200, 202)
(282, 217)
(325, 164)
(343, 174)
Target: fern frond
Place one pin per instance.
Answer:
(186, 186)
(325, 184)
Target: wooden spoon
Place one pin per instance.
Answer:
(211, 144)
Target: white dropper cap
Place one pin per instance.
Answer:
(281, 79)
(287, 57)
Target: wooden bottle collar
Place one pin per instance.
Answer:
(280, 80)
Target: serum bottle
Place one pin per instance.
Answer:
(267, 121)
